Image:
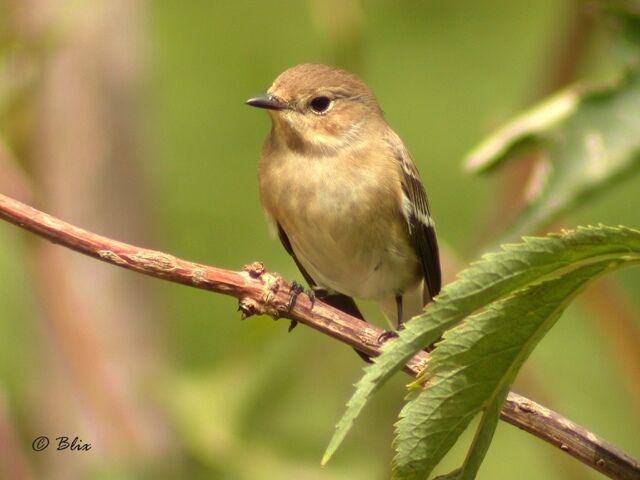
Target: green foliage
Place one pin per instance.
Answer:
(590, 138)
(234, 396)
(473, 367)
(519, 292)
(528, 129)
(493, 316)
(481, 442)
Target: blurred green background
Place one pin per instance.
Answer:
(127, 118)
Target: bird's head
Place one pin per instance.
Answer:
(318, 109)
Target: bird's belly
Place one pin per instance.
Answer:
(350, 237)
(369, 275)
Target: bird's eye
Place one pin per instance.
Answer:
(320, 104)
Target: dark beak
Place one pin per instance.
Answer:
(266, 101)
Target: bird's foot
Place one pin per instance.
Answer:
(314, 294)
(295, 290)
(389, 334)
(317, 293)
(386, 336)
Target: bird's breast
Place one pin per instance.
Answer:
(342, 215)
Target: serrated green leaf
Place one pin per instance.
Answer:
(495, 276)
(481, 441)
(473, 367)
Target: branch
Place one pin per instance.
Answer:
(261, 292)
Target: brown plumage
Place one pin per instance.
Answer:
(342, 191)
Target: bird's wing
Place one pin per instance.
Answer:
(336, 300)
(287, 246)
(421, 227)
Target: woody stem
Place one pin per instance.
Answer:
(261, 292)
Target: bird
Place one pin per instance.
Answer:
(342, 192)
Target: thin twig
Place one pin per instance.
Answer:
(261, 292)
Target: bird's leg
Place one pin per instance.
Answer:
(317, 293)
(399, 309)
(295, 290)
(388, 334)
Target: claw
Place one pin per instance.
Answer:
(292, 325)
(316, 294)
(295, 290)
(312, 297)
(387, 335)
